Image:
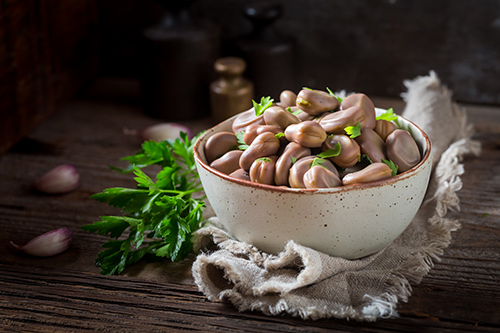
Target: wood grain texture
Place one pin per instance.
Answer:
(47, 52)
(67, 293)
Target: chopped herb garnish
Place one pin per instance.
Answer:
(241, 142)
(365, 157)
(280, 135)
(306, 88)
(265, 102)
(388, 115)
(318, 161)
(331, 152)
(293, 160)
(264, 159)
(391, 165)
(289, 109)
(353, 131)
(340, 99)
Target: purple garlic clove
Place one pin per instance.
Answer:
(164, 131)
(48, 244)
(62, 179)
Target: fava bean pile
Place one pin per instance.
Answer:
(313, 139)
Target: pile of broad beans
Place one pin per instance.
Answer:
(312, 139)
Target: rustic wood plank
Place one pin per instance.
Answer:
(46, 301)
(66, 292)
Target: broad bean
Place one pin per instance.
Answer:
(336, 122)
(402, 150)
(315, 102)
(373, 172)
(363, 102)
(219, 144)
(307, 133)
(265, 144)
(228, 163)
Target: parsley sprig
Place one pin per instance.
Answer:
(353, 131)
(265, 102)
(390, 164)
(159, 215)
(340, 99)
(331, 152)
(241, 141)
(388, 115)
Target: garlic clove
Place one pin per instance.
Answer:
(48, 244)
(62, 179)
(164, 131)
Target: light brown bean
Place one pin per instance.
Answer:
(228, 163)
(253, 130)
(363, 102)
(287, 98)
(371, 144)
(349, 150)
(279, 117)
(402, 150)
(240, 174)
(293, 151)
(246, 118)
(373, 172)
(320, 177)
(299, 168)
(265, 144)
(219, 144)
(307, 133)
(336, 122)
(383, 128)
(263, 169)
(315, 102)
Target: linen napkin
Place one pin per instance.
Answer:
(309, 284)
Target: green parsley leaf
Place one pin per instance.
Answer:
(294, 159)
(159, 216)
(241, 142)
(340, 99)
(264, 159)
(280, 135)
(365, 157)
(265, 102)
(295, 113)
(391, 165)
(331, 152)
(318, 161)
(388, 115)
(353, 131)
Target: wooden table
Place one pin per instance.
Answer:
(66, 292)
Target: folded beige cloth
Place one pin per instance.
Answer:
(303, 282)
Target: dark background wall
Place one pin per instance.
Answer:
(369, 46)
(52, 49)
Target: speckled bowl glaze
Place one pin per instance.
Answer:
(348, 221)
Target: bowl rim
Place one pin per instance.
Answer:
(338, 189)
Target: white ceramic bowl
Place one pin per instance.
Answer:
(348, 221)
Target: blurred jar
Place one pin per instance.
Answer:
(231, 93)
(177, 56)
(270, 54)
